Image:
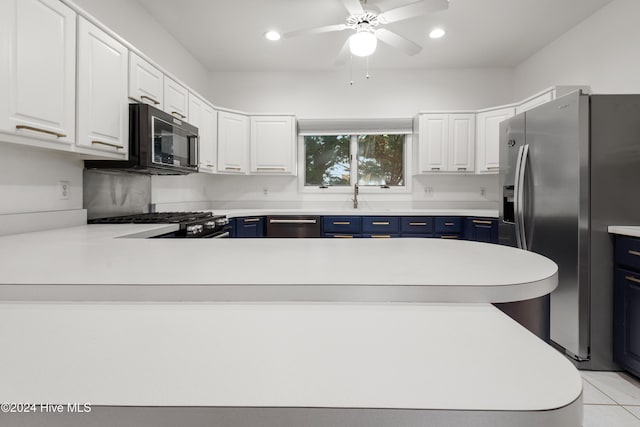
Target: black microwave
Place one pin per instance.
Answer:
(159, 144)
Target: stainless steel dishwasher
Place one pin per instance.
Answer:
(293, 226)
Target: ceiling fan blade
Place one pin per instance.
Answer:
(317, 30)
(343, 55)
(414, 9)
(353, 6)
(397, 41)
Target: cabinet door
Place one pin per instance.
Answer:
(462, 142)
(146, 82)
(626, 337)
(176, 99)
(37, 73)
(534, 102)
(204, 117)
(102, 92)
(433, 137)
(233, 142)
(488, 139)
(273, 142)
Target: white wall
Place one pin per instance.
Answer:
(29, 179)
(389, 93)
(602, 52)
(131, 21)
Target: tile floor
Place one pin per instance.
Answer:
(611, 399)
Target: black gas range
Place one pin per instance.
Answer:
(193, 225)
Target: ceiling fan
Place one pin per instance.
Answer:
(367, 27)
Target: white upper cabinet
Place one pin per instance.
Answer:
(446, 142)
(176, 99)
(205, 118)
(37, 71)
(103, 65)
(233, 142)
(488, 138)
(533, 102)
(146, 82)
(433, 142)
(462, 129)
(273, 144)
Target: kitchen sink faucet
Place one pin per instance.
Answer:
(355, 196)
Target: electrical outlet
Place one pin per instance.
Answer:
(428, 192)
(483, 191)
(64, 189)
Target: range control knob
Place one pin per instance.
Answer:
(192, 230)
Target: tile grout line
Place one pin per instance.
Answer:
(596, 387)
(634, 415)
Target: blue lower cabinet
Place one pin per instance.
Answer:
(481, 230)
(452, 236)
(248, 227)
(342, 224)
(380, 236)
(380, 225)
(342, 236)
(626, 320)
(448, 224)
(416, 224)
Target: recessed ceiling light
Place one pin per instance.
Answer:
(272, 35)
(437, 33)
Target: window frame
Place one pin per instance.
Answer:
(353, 150)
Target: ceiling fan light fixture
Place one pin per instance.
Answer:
(272, 35)
(363, 42)
(437, 33)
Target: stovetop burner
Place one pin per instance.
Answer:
(154, 218)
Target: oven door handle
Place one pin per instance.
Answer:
(221, 236)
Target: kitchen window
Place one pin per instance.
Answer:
(373, 161)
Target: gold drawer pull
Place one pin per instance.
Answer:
(150, 99)
(231, 168)
(178, 115)
(48, 132)
(341, 222)
(252, 220)
(449, 224)
(421, 224)
(493, 167)
(633, 279)
(271, 169)
(449, 237)
(108, 144)
(477, 221)
(337, 236)
(636, 253)
(380, 223)
(380, 236)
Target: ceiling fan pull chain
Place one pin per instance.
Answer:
(367, 76)
(350, 70)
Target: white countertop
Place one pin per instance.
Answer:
(487, 213)
(625, 230)
(321, 355)
(50, 265)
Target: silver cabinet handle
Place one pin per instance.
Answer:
(293, 221)
(341, 222)
(462, 169)
(636, 253)
(150, 99)
(177, 114)
(380, 223)
(421, 224)
(493, 167)
(449, 224)
(221, 236)
(633, 279)
(48, 132)
(108, 144)
(435, 169)
(251, 220)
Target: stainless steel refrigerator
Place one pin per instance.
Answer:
(568, 170)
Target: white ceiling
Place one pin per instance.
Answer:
(227, 35)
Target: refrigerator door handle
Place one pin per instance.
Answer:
(516, 198)
(520, 195)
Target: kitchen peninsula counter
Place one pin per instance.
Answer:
(113, 263)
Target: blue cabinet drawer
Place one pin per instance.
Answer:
(481, 230)
(447, 236)
(628, 252)
(342, 224)
(380, 224)
(248, 227)
(381, 236)
(416, 224)
(448, 224)
(342, 236)
(422, 235)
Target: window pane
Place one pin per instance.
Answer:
(327, 160)
(381, 160)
